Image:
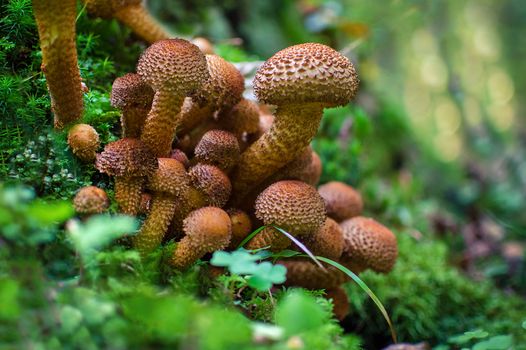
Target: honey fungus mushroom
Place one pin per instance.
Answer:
(301, 81)
(174, 68)
(56, 29)
(131, 13)
(341, 200)
(291, 205)
(91, 200)
(206, 230)
(83, 140)
(219, 148)
(133, 97)
(368, 244)
(129, 161)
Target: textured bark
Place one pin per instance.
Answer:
(156, 224)
(56, 29)
(128, 193)
(138, 19)
(161, 122)
(293, 129)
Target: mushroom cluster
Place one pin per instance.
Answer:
(206, 166)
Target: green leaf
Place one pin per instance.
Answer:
(239, 262)
(47, 213)
(98, 232)
(299, 312)
(524, 324)
(9, 290)
(266, 275)
(499, 342)
(468, 336)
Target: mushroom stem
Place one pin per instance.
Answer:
(286, 139)
(141, 22)
(132, 121)
(156, 224)
(56, 29)
(159, 128)
(128, 193)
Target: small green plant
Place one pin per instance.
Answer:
(478, 340)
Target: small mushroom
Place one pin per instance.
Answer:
(91, 200)
(131, 13)
(301, 81)
(291, 205)
(206, 230)
(220, 92)
(130, 161)
(241, 226)
(341, 200)
(83, 140)
(56, 29)
(174, 68)
(368, 244)
(168, 184)
(133, 97)
(219, 148)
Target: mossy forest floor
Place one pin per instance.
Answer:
(70, 284)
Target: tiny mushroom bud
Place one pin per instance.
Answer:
(133, 97)
(219, 148)
(56, 29)
(174, 68)
(130, 161)
(168, 184)
(84, 142)
(131, 13)
(301, 81)
(368, 244)
(341, 200)
(91, 200)
(207, 229)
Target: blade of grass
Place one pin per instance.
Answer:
(366, 289)
(301, 245)
(250, 236)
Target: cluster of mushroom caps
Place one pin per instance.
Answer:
(206, 166)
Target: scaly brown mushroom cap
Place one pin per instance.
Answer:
(56, 29)
(327, 241)
(300, 80)
(174, 68)
(241, 226)
(306, 73)
(126, 157)
(131, 13)
(304, 273)
(212, 183)
(219, 93)
(130, 161)
(169, 184)
(292, 205)
(341, 200)
(91, 200)
(207, 229)
(84, 142)
(133, 97)
(219, 148)
(369, 244)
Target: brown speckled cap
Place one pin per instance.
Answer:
(306, 73)
(170, 177)
(129, 91)
(84, 142)
(224, 87)
(341, 200)
(91, 200)
(126, 157)
(219, 148)
(291, 205)
(173, 64)
(208, 227)
(212, 182)
(327, 241)
(369, 244)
